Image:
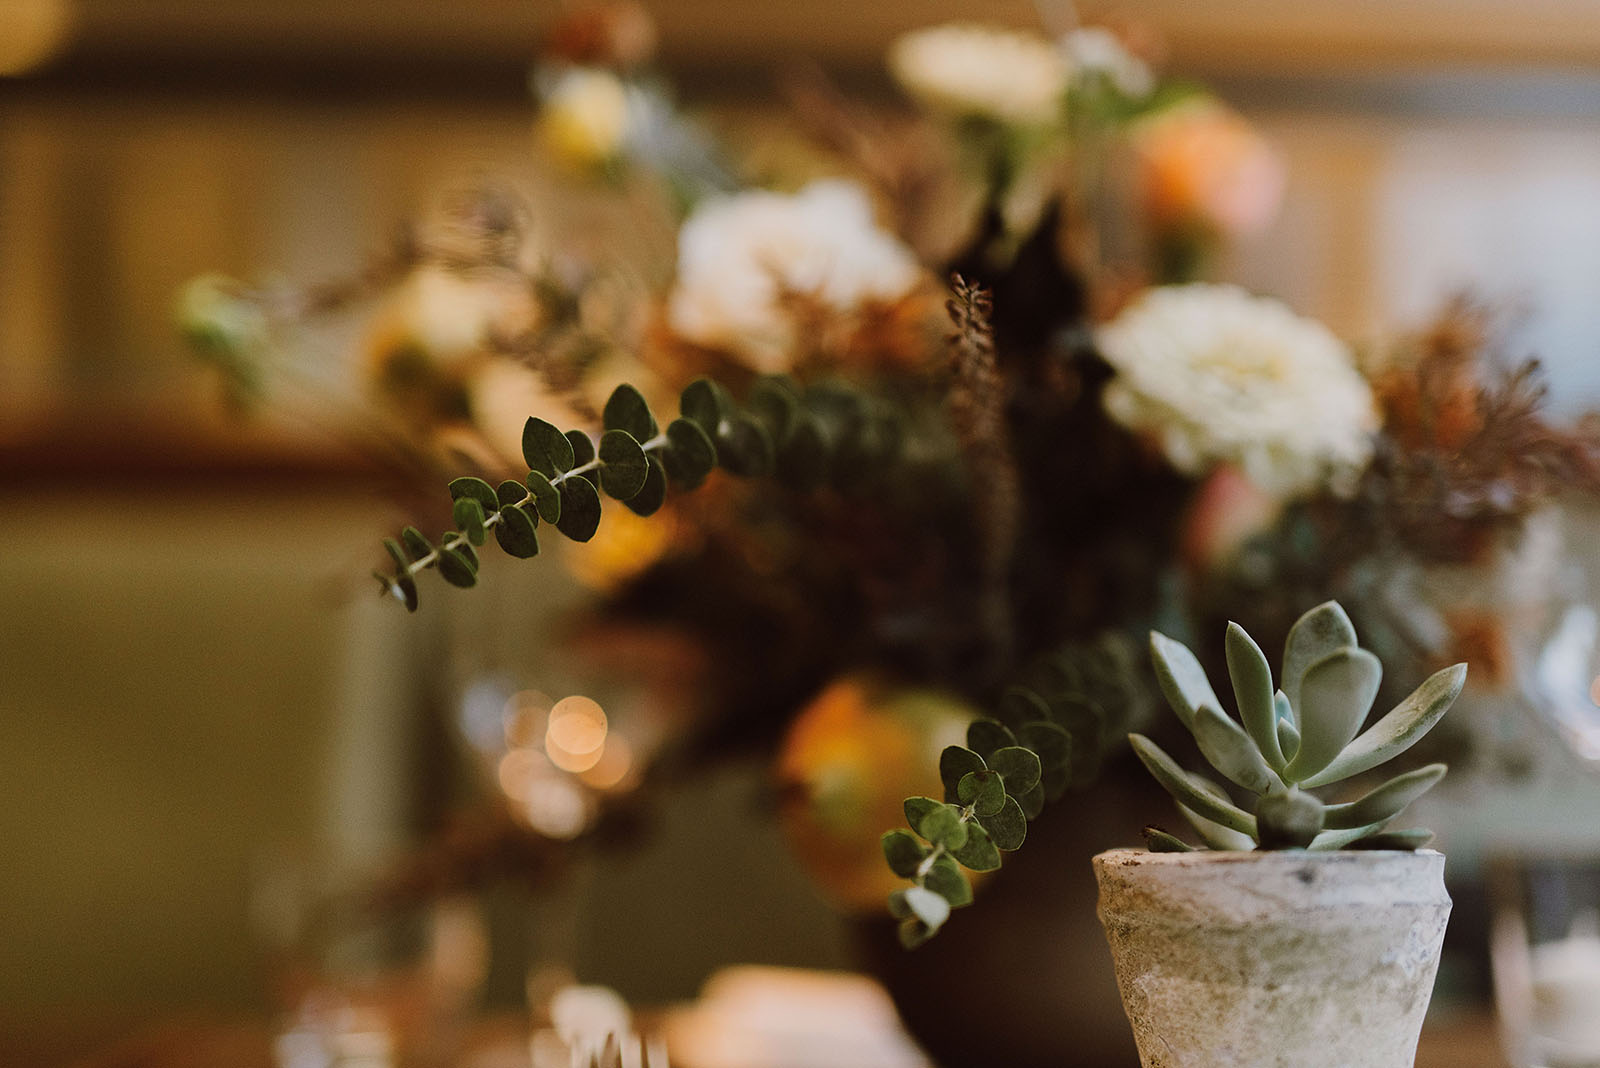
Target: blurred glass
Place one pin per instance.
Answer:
(1545, 945)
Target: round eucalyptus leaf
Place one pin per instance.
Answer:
(803, 455)
(653, 494)
(468, 516)
(1008, 827)
(627, 410)
(955, 762)
(582, 447)
(689, 456)
(946, 879)
(624, 465)
(1019, 767)
(516, 534)
(944, 826)
(983, 790)
(469, 487)
(706, 404)
(917, 809)
(979, 853)
(903, 852)
(546, 498)
(580, 508)
(984, 736)
(416, 544)
(745, 447)
(456, 568)
(545, 448)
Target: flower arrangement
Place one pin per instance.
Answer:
(989, 498)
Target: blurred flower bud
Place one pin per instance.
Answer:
(1203, 165)
(584, 122)
(612, 34)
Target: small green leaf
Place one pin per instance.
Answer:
(903, 852)
(744, 447)
(984, 736)
(1177, 783)
(775, 405)
(1019, 767)
(1251, 676)
(510, 492)
(927, 906)
(546, 497)
(1183, 681)
(653, 494)
(1008, 827)
(627, 410)
(1159, 841)
(914, 933)
(582, 447)
(955, 762)
(946, 879)
(1054, 747)
(1019, 705)
(1032, 802)
(624, 465)
(398, 555)
(1323, 630)
(917, 809)
(516, 534)
(1399, 730)
(983, 790)
(545, 448)
(944, 826)
(1385, 802)
(468, 516)
(803, 455)
(580, 508)
(979, 853)
(706, 404)
(689, 456)
(1408, 840)
(456, 568)
(416, 544)
(468, 487)
(1336, 694)
(402, 586)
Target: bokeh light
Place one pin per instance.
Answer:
(576, 736)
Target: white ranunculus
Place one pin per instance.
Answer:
(1218, 375)
(738, 255)
(982, 71)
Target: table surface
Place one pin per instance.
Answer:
(1464, 1041)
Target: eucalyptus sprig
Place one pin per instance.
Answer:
(807, 437)
(1048, 736)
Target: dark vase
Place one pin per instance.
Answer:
(1023, 977)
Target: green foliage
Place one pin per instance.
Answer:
(807, 437)
(1048, 736)
(1303, 735)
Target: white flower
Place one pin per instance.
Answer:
(1096, 50)
(584, 120)
(1217, 375)
(982, 71)
(738, 255)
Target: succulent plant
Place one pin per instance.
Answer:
(1286, 741)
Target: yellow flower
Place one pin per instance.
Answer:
(584, 121)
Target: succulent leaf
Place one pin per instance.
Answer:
(1159, 841)
(1329, 841)
(1399, 730)
(1212, 833)
(1385, 802)
(1177, 783)
(1251, 676)
(1336, 694)
(1231, 751)
(1183, 680)
(1408, 840)
(1323, 630)
(1288, 819)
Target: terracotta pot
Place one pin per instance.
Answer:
(1260, 960)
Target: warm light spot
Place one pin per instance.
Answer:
(556, 807)
(524, 718)
(576, 735)
(615, 766)
(518, 771)
(1594, 690)
(31, 32)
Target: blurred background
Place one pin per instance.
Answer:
(199, 697)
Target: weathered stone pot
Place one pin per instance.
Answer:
(1274, 960)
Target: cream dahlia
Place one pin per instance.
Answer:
(983, 72)
(739, 256)
(1218, 375)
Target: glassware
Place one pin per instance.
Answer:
(1545, 949)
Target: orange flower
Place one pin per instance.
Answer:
(1202, 164)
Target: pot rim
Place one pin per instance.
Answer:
(1142, 856)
